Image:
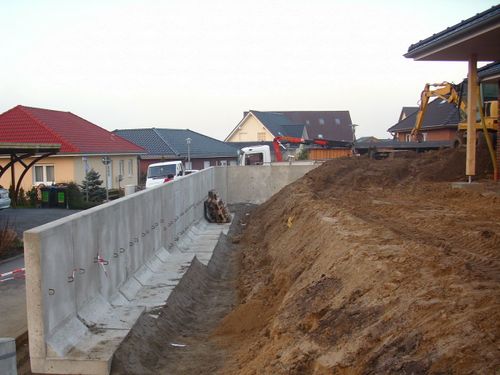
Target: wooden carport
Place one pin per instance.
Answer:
(18, 153)
(475, 39)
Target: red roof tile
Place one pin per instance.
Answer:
(76, 135)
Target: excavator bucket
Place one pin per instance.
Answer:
(214, 209)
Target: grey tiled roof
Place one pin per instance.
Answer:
(466, 26)
(406, 111)
(330, 125)
(489, 70)
(439, 114)
(278, 124)
(171, 143)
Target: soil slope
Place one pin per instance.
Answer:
(369, 267)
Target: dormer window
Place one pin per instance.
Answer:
(321, 121)
(337, 121)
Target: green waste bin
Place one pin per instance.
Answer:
(54, 197)
(61, 196)
(45, 197)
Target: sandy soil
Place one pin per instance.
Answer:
(370, 267)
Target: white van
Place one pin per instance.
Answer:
(158, 173)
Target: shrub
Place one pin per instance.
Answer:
(9, 242)
(22, 200)
(91, 187)
(32, 197)
(76, 198)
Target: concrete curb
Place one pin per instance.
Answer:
(3, 261)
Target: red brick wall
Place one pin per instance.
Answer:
(433, 135)
(441, 135)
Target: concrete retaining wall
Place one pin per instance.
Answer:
(256, 184)
(82, 270)
(86, 273)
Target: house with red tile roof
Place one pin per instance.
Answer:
(83, 147)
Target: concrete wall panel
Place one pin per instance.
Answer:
(57, 263)
(256, 184)
(167, 204)
(85, 245)
(220, 181)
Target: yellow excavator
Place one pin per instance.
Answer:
(448, 91)
(488, 113)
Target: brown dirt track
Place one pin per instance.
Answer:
(360, 267)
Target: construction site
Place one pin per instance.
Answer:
(359, 266)
(376, 260)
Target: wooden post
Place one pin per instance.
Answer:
(13, 199)
(470, 166)
(497, 177)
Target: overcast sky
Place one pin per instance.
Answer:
(200, 64)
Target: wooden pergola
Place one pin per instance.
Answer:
(18, 153)
(475, 39)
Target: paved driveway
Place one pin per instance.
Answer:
(22, 219)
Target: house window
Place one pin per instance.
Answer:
(321, 121)
(261, 136)
(424, 137)
(130, 167)
(223, 163)
(337, 121)
(121, 169)
(407, 137)
(206, 164)
(43, 174)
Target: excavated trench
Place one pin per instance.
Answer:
(174, 339)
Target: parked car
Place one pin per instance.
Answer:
(159, 173)
(4, 198)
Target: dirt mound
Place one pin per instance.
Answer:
(438, 166)
(368, 267)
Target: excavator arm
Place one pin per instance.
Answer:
(443, 90)
(448, 92)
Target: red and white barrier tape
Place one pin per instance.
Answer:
(16, 274)
(103, 264)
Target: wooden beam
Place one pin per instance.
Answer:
(13, 181)
(470, 166)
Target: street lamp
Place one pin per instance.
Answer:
(188, 141)
(85, 161)
(106, 161)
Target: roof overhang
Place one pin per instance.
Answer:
(489, 73)
(477, 36)
(8, 148)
